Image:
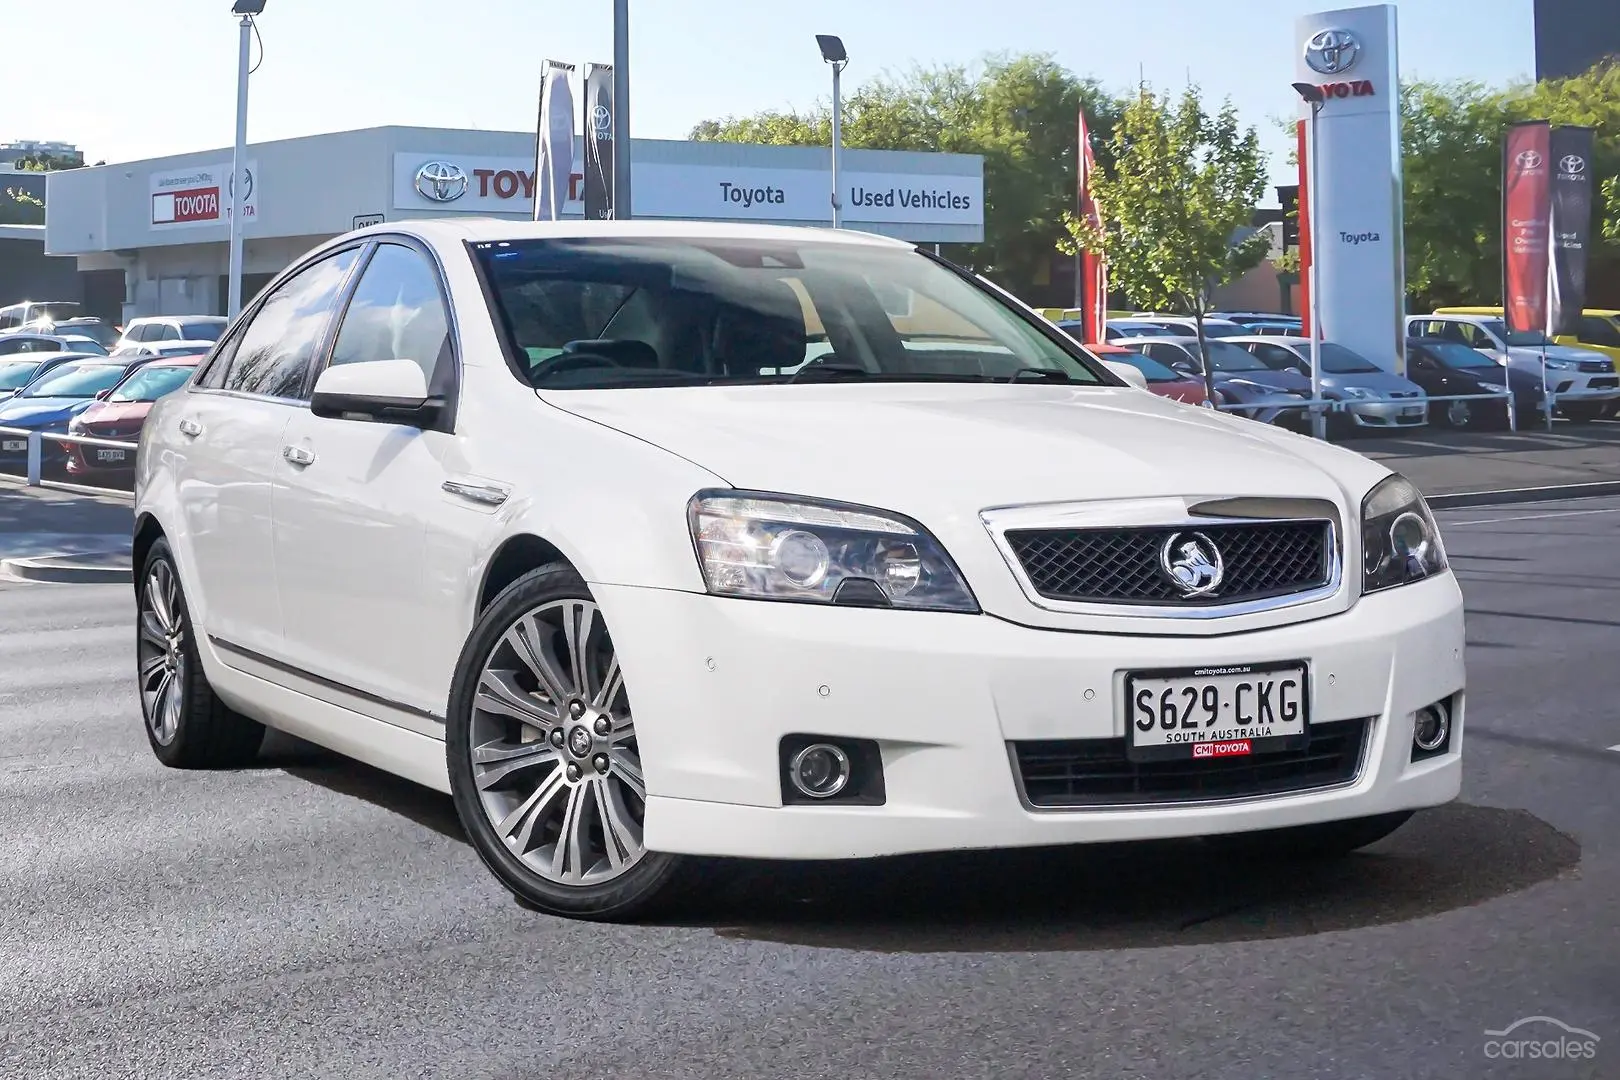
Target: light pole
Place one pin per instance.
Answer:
(832, 51)
(1314, 97)
(621, 109)
(246, 10)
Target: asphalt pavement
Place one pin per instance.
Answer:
(310, 917)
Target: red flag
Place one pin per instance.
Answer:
(1093, 270)
(1526, 225)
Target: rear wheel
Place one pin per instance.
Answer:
(544, 763)
(187, 725)
(1327, 840)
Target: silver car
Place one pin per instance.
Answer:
(1371, 396)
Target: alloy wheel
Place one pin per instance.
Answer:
(1458, 414)
(161, 654)
(553, 747)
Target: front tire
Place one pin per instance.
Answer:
(544, 764)
(187, 725)
(1326, 840)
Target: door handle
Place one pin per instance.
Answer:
(298, 455)
(190, 428)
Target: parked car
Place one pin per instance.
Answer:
(1119, 329)
(1256, 318)
(32, 342)
(120, 413)
(1371, 396)
(20, 369)
(532, 517)
(152, 349)
(1447, 368)
(14, 316)
(1274, 329)
(1599, 331)
(52, 399)
(1569, 369)
(1161, 379)
(104, 333)
(1277, 397)
(1186, 325)
(150, 328)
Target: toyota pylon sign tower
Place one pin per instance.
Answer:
(1358, 248)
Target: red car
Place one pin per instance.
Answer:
(119, 413)
(1161, 379)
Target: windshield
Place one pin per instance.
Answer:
(149, 384)
(1454, 354)
(14, 374)
(1518, 337)
(1225, 356)
(1338, 360)
(1155, 371)
(70, 381)
(624, 312)
(1220, 330)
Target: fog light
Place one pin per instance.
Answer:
(1432, 728)
(820, 770)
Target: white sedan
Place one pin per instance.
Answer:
(654, 540)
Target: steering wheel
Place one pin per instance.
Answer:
(551, 365)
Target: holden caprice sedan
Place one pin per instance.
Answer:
(647, 541)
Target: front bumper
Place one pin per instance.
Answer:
(1405, 412)
(716, 683)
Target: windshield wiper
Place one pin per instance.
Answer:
(831, 371)
(1047, 374)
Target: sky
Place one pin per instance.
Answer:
(155, 77)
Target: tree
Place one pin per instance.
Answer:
(1020, 113)
(17, 207)
(43, 162)
(1176, 202)
(1451, 136)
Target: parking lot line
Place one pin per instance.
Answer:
(1534, 517)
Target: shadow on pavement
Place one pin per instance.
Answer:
(1070, 899)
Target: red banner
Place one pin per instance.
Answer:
(1526, 224)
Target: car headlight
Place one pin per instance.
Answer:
(774, 547)
(1399, 538)
(1562, 365)
(1361, 392)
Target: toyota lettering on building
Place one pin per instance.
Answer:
(200, 196)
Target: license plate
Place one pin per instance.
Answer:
(1412, 411)
(14, 444)
(104, 454)
(1217, 712)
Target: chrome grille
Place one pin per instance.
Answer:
(1597, 366)
(1123, 566)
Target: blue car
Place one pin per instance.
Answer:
(52, 399)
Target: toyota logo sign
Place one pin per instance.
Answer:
(601, 119)
(1572, 163)
(1528, 159)
(441, 181)
(1332, 52)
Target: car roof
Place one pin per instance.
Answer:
(449, 231)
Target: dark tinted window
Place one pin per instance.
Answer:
(396, 313)
(171, 332)
(202, 329)
(1596, 330)
(273, 354)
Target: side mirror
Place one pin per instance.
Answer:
(1129, 372)
(378, 391)
(102, 395)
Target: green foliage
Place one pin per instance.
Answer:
(17, 207)
(1452, 136)
(47, 163)
(1182, 185)
(1020, 113)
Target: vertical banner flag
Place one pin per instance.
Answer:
(554, 150)
(598, 142)
(1569, 149)
(1526, 218)
(1093, 271)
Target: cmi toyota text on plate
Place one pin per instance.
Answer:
(653, 540)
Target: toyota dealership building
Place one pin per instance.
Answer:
(166, 222)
